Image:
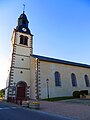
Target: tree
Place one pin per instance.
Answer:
(2, 93)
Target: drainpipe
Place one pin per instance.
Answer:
(37, 78)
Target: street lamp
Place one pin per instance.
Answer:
(47, 80)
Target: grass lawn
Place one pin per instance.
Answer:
(59, 98)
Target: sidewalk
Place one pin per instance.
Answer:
(68, 109)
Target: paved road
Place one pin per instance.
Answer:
(13, 112)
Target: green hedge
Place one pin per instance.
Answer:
(76, 94)
(84, 92)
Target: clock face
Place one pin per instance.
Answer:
(24, 29)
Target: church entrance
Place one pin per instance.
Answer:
(21, 91)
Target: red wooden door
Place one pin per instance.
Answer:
(21, 89)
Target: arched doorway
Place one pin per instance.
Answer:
(21, 90)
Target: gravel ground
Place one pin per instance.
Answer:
(75, 109)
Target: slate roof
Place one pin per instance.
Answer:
(48, 59)
(23, 16)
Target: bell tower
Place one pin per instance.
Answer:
(18, 83)
(25, 34)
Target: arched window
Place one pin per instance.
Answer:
(74, 81)
(57, 79)
(87, 80)
(23, 40)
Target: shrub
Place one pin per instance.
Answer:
(76, 94)
(84, 92)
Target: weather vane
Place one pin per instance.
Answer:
(23, 8)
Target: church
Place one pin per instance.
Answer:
(32, 76)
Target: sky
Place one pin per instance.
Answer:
(61, 29)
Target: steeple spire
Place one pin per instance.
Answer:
(23, 8)
(22, 25)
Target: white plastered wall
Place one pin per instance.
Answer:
(47, 70)
(18, 76)
(32, 77)
(22, 61)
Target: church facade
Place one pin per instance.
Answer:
(32, 76)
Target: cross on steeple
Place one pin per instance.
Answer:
(22, 25)
(23, 8)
